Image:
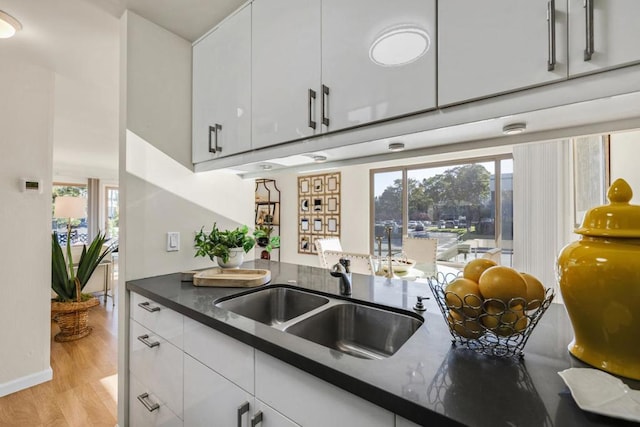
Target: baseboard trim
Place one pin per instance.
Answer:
(26, 382)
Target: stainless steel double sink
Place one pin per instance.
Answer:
(347, 326)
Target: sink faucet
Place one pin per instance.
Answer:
(390, 275)
(343, 270)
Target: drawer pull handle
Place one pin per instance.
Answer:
(145, 340)
(144, 399)
(256, 419)
(242, 409)
(146, 305)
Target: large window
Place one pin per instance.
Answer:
(467, 206)
(112, 212)
(79, 228)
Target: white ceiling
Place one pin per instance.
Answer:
(79, 41)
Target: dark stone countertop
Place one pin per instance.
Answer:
(428, 381)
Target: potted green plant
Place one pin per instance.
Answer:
(265, 239)
(70, 307)
(228, 246)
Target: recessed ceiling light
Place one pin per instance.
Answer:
(8, 25)
(399, 46)
(396, 146)
(319, 159)
(514, 128)
(266, 167)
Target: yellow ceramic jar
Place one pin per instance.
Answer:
(599, 279)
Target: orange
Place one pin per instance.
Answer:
(503, 284)
(497, 314)
(464, 294)
(535, 291)
(474, 268)
(466, 328)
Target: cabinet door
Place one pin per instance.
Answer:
(225, 355)
(222, 90)
(495, 46)
(158, 319)
(285, 68)
(311, 402)
(362, 90)
(211, 399)
(270, 417)
(613, 35)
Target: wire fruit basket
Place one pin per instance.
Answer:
(488, 326)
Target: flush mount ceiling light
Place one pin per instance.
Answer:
(319, 158)
(399, 46)
(514, 128)
(396, 146)
(8, 25)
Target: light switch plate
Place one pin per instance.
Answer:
(173, 241)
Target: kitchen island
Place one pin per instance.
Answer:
(427, 381)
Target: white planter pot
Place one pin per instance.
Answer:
(236, 256)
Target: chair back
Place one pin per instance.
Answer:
(360, 263)
(494, 254)
(327, 244)
(422, 251)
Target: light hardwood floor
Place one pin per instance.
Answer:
(83, 391)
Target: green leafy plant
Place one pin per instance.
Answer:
(217, 242)
(67, 279)
(264, 232)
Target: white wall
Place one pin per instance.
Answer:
(26, 113)
(159, 192)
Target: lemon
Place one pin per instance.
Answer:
(474, 268)
(464, 294)
(503, 284)
(535, 291)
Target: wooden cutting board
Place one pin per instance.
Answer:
(232, 277)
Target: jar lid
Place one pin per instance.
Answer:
(617, 219)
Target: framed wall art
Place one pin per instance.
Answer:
(318, 209)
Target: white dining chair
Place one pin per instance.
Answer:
(360, 263)
(421, 250)
(494, 254)
(327, 244)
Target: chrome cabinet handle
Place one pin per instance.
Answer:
(242, 409)
(588, 18)
(146, 305)
(214, 130)
(551, 26)
(325, 102)
(312, 98)
(144, 399)
(145, 340)
(256, 419)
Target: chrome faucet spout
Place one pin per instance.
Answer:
(341, 270)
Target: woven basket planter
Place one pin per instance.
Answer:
(72, 318)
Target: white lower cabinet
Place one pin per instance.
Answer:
(403, 422)
(211, 399)
(143, 411)
(310, 401)
(157, 366)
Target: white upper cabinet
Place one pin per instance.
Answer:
(366, 85)
(222, 90)
(286, 70)
(603, 34)
(494, 46)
